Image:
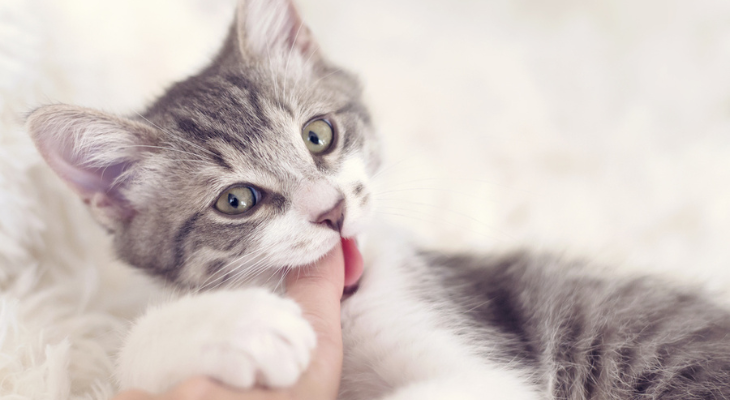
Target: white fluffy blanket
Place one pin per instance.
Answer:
(599, 129)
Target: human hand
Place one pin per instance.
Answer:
(318, 290)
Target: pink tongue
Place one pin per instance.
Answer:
(353, 262)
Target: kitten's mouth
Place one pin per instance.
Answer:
(353, 265)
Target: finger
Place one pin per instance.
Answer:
(318, 289)
(202, 388)
(318, 283)
(133, 395)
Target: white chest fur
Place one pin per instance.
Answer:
(401, 338)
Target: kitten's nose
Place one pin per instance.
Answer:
(333, 217)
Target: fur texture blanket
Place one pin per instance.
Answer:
(595, 129)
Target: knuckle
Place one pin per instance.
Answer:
(195, 388)
(134, 394)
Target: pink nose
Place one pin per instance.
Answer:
(333, 217)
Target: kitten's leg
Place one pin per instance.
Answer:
(477, 388)
(240, 337)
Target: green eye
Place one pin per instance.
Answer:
(318, 136)
(236, 200)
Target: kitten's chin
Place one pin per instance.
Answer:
(330, 244)
(304, 257)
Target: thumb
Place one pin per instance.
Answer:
(318, 290)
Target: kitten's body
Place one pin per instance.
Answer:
(406, 339)
(420, 326)
(524, 326)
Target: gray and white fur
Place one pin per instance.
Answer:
(422, 325)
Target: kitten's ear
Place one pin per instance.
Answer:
(93, 152)
(273, 27)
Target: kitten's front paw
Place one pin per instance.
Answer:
(239, 337)
(270, 344)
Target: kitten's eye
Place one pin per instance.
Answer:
(236, 200)
(318, 136)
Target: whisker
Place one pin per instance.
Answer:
(164, 148)
(434, 219)
(461, 179)
(390, 167)
(201, 148)
(325, 76)
(311, 53)
(465, 194)
(278, 281)
(252, 272)
(176, 137)
(431, 221)
(447, 210)
(232, 277)
(243, 260)
(221, 272)
(291, 49)
(244, 257)
(285, 272)
(275, 81)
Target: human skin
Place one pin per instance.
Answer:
(318, 290)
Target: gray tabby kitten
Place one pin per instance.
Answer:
(261, 163)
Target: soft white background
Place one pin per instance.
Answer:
(594, 129)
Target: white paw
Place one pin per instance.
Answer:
(242, 338)
(269, 344)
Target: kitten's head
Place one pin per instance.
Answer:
(261, 161)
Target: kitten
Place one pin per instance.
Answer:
(261, 163)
